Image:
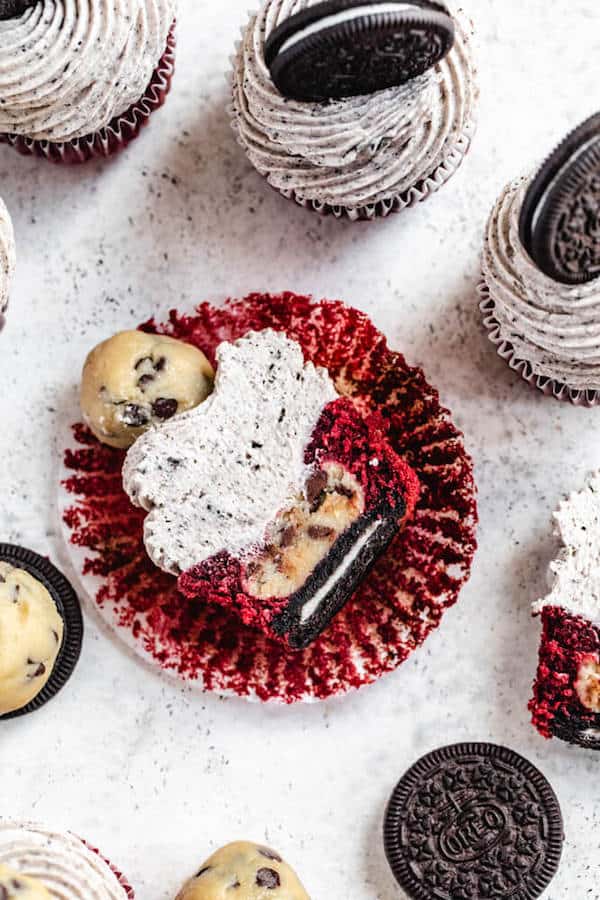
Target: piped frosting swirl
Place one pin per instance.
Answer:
(62, 862)
(553, 326)
(67, 67)
(7, 257)
(361, 150)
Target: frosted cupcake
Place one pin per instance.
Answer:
(541, 271)
(358, 152)
(80, 80)
(7, 258)
(58, 866)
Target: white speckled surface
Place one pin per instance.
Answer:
(154, 775)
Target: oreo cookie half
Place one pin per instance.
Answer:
(560, 220)
(69, 609)
(12, 9)
(473, 820)
(344, 48)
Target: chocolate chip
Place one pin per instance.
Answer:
(164, 408)
(315, 486)
(269, 854)
(344, 491)
(141, 362)
(135, 416)
(286, 537)
(17, 885)
(3, 893)
(2, 579)
(40, 670)
(268, 878)
(320, 532)
(55, 633)
(203, 871)
(160, 364)
(144, 380)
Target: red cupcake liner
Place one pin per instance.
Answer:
(130, 893)
(505, 350)
(115, 136)
(395, 608)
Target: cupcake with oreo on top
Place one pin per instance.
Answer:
(7, 258)
(357, 108)
(541, 271)
(80, 80)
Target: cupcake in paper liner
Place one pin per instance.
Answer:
(7, 258)
(540, 290)
(79, 81)
(49, 865)
(400, 133)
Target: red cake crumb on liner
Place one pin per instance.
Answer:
(395, 608)
(548, 386)
(115, 136)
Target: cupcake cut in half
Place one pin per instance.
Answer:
(540, 288)
(355, 108)
(566, 701)
(273, 497)
(80, 80)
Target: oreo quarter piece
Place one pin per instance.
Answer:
(12, 9)
(560, 219)
(345, 48)
(69, 609)
(473, 821)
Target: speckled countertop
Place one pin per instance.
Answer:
(157, 776)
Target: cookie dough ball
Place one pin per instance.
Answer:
(246, 871)
(14, 886)
(135, 380)
(31, 634)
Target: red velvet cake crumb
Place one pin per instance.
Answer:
(395, 608)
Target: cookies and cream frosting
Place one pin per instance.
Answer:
(360, 150)
(67, 67)
(553, 326)
(7, 257)
(61, 862)
(213, 478)
(575, 574)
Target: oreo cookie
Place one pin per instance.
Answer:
(345, 48)
(69, 609)
(12, 9)
(560, 219)
(473, 820)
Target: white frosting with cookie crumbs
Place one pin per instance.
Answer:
(215, 477)
(67, 67)
(358, 151)
(575, 574)
(8, 256)
(61, 862)
(553, 326)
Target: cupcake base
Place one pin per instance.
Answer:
(69, 610)
(551, 387)
(396, 202)
(115, 136)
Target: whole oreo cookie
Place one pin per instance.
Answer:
(11, 9)
(473, 821)
(560, 219)
(69, 609)
(344, 48)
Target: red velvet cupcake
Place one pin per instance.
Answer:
(79, 81)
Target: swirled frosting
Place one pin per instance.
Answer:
(7, 257)
(67, 67)
(63, 863)
(360, 150)
(553, 326)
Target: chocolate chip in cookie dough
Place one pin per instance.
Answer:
(315, 487)
(203, 871)
(164, 408)
(268, 878)
(135, 416)
(269, 854)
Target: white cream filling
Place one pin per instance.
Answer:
(575, 574)
(239, 456)
(342, 18)
(65, 866)
(310, 608)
